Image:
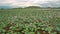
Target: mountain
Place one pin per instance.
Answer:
(5, 7)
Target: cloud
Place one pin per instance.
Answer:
(24, 3)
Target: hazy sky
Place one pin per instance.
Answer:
(23, 3)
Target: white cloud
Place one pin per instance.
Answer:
(21, 3)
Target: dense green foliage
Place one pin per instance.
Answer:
(29, 21)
